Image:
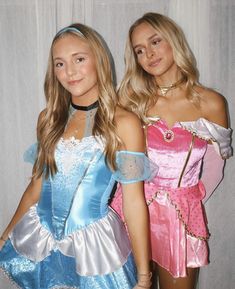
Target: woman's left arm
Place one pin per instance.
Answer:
(134, 205)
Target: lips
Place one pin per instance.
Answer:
(155, 63)
(74, 82)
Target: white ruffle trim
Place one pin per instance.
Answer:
(99, 248)
(220, 136)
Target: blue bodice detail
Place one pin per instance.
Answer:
(78, 193)
(71, 231)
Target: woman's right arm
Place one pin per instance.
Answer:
(29, 198)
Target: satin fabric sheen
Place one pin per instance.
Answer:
(177, 218)
(71, 238)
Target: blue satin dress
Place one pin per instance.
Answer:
(71, 238)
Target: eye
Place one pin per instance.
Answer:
(139, 51)
(156, 41)
(79, 59)
(58, 64)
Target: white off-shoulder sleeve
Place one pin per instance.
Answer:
(220, 136)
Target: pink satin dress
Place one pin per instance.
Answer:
(174, 196)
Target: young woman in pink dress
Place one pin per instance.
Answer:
(187, 136)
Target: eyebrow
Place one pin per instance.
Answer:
(74, 54)
(149, 38)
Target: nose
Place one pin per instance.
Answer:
(71, 70)
(149, 52)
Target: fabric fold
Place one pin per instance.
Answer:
(187, 202)
(220, 136)
(99, 248)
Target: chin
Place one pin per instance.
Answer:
(76, 93)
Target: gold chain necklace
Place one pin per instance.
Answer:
(165, 89)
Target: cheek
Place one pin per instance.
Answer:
(83, 69)
(59, 75)
(141, 62)
(91, 70)
(167, 50)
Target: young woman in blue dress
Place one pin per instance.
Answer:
(63, 234)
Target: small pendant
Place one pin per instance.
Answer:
(164, 91)
(168, 135)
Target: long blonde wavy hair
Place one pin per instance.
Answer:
(137, 90)
(54, 117)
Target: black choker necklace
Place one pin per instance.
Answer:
(85, 108)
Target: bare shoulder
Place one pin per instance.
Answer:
(126, 118)
(130, 130)
(214, 106)
(212, 100)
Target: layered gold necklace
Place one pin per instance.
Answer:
(164, 89)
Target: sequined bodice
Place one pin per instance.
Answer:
(169, 148)
(78, 193)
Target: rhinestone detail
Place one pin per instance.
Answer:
(168, 135)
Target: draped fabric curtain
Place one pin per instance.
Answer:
(27, 28)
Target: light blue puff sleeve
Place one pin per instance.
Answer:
(133, 167)
(30, 154)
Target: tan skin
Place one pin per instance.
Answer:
(154, 55)
(130, 131)
(74, 61)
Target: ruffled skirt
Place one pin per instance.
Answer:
(95, 257)
(173, 248)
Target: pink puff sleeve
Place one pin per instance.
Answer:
(213, 161)
(212, 171)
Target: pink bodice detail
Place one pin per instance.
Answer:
(179, 158)
(171, 155)
(179, 152)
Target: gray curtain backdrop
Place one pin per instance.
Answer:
(27, 28)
